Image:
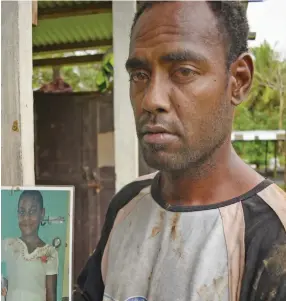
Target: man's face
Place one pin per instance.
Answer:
(30, 215)
(179, 86)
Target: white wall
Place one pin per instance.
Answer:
(17, 125)
(125, 141)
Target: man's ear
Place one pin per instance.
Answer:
(242, 74)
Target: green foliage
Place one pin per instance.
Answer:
(41, 76)
(254, 151)
(104, 78)
(269, 83)
(88, 77)
(246, 119)
(265, 107)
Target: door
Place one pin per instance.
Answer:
(66, 137)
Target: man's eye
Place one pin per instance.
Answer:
(138, 76)
(184, 75)
(184, 72)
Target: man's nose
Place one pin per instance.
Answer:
(156, 99)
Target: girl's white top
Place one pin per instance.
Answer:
(27, 271)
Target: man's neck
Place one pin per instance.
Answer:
(222, 177)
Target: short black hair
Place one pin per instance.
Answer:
(33, 194)
(232, 22)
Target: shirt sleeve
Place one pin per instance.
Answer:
(52, 264)
(90, 281)
(264, 276)
(270, 279)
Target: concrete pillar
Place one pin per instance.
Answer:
(125, 142)
(17, 122)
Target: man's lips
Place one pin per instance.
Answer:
(155, 129)
(157, 134)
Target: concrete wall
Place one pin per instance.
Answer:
(17, 130)
(125, 141)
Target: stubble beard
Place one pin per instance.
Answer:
(186, 160)
(195, 162)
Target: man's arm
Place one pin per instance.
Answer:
(270, 280)
(90, 282)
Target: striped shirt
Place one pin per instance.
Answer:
(151, 251)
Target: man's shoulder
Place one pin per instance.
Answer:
(90, 279)
(268, 203)
(265, 218)
(275, 198)
(131, 190)
(272, 192)
(265, 245)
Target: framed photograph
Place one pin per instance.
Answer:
(36, 243)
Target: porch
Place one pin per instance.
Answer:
(41, 133)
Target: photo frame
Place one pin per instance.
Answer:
(41, 215)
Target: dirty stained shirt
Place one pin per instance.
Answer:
(149, 250)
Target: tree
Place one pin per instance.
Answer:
(81, 77)
(88, 77)
(269, 82)
(265, 107)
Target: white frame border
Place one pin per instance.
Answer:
(71, 190)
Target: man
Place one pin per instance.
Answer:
(206, 226)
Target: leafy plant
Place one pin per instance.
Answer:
(104, 77)
(88, 77)
(265, 107)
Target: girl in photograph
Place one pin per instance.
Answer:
(32, 265)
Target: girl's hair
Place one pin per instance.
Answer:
(32, 194)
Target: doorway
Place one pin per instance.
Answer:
(74, 146)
